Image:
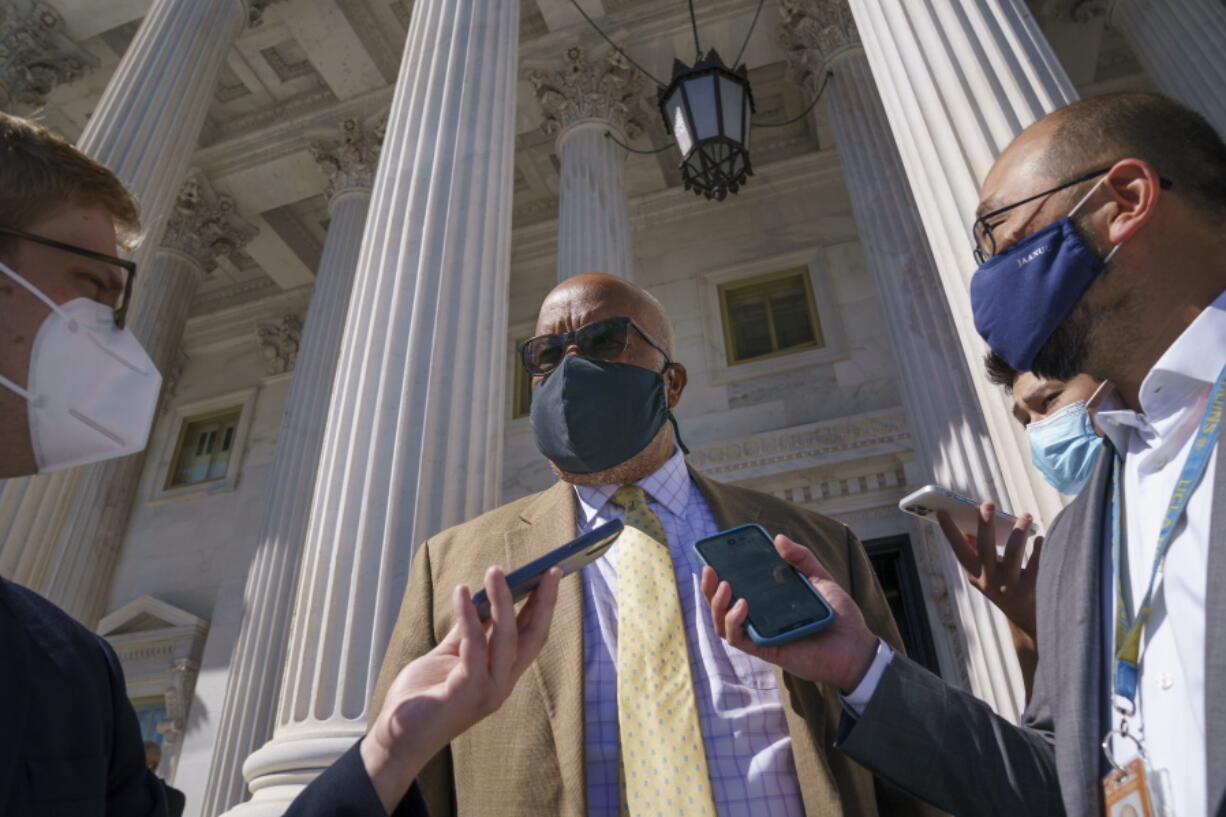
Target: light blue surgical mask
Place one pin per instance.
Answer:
(1064, 447)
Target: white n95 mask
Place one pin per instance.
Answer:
(92, 389)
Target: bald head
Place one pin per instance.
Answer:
(596, 296)
(1098, 132)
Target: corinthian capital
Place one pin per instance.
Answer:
(204, 224)
(605, 88)
(349, 158)
(36, 54)
(813, 32)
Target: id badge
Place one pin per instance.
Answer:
(1135, 791)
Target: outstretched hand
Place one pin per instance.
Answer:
(840, 655)
(465, 678)
(1003, 579)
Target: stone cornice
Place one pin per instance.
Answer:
(236, 324)
(807, 446)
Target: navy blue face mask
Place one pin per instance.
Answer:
(1020, 296)
(589, 415)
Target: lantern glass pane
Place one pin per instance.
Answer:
(701, 96)
(748, 126)
(733, 98)
(681, 128)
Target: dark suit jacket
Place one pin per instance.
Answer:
(70, 745)
(344, 790)
(528, 757)
(176, 800)
(949, 748)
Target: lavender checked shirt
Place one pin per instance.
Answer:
(740, 711)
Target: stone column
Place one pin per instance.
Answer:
(1182, 46)
(958, 80)
(349, 160)
(36, 55)
(952, 443)
(145, 128)
(202, 227)
(413, 439)
(585, 103)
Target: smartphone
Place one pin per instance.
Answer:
(570, 557)
(964, 511)
(783, 604)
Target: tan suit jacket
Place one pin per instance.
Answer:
(527, 759)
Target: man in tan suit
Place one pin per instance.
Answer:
(604, 386)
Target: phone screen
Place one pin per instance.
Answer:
(780, 599)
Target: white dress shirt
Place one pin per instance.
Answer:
(740, 711)
(1155, 443)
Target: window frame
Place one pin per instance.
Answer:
(822, 265)
(170, 432)
(763, 283)
(177, 452)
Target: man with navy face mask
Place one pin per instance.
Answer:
(722, 733)
(1101, 250)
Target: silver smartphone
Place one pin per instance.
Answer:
(963, 510)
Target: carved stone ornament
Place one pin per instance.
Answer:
(606, 88)
(36, 54)
(205, 224)
(279, 343)
(813, 32)
(350, 159)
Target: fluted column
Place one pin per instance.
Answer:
(951, 438)
(145, 128)
(202, 227)
(36, 54)
(958, 80)
(246, 722)
(1182, 46)
(413, 438)
(585, 103)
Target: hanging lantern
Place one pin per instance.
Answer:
(707, 108)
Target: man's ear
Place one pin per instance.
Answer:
(675, 384)
(1135, 187)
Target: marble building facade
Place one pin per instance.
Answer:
(353, 209)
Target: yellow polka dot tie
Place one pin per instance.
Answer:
(664, 764)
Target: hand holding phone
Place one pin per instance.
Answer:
(784, 605)
(570, 557)
(839, 655)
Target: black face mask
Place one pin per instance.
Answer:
(589, 415)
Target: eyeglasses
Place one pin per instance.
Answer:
(601, 340)
(127, 268)
(985, 242)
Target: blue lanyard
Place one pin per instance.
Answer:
(1128, 628)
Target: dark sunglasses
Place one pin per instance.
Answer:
(985, 241)
(600, 340)
(128, 267)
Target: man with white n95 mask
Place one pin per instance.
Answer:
(76, 388)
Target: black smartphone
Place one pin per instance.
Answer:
(783, 604)
(570, 557)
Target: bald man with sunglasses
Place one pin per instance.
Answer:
(755, 741)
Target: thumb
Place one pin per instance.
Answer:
(801, 558)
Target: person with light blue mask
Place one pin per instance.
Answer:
(1058, 416)
(1064, 445)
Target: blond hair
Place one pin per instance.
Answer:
(40, 173)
